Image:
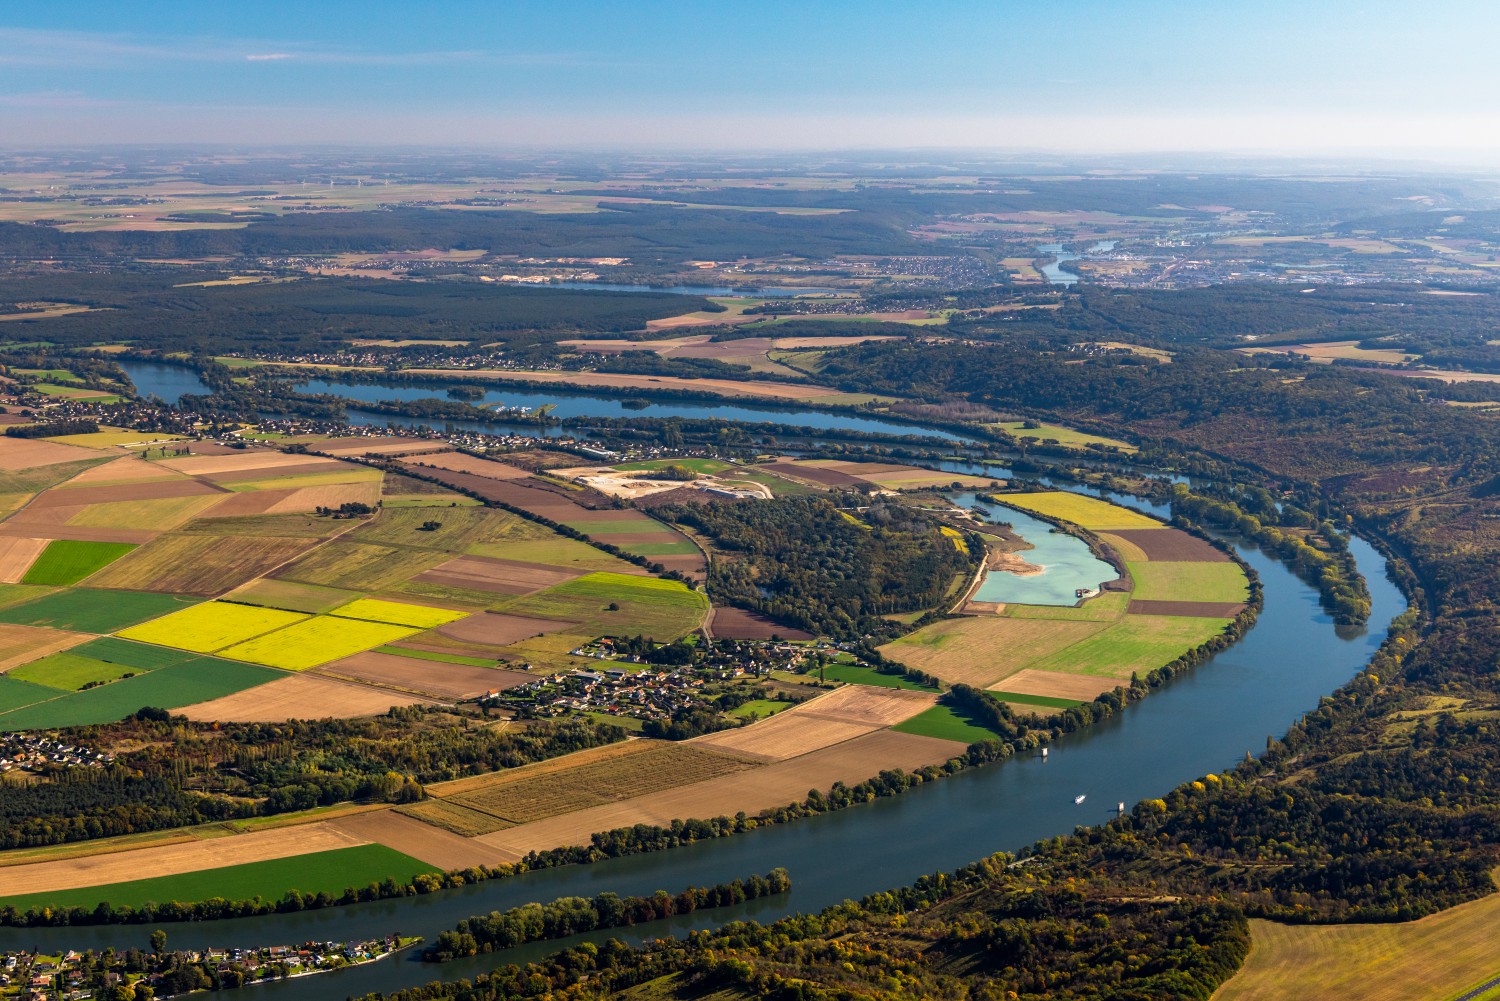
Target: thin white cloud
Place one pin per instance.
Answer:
(267, 57)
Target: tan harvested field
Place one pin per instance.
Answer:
(16, 556)
(449, 816)
(483, 573)
(168, 860)
(1171, 545)
(738, 624)
(292, 596)
(24, 644)
(720, 387)
(981, 651)
(27, 453)
(450, 681)
(1196, 609)
(146, 515)
(277, 472)
(360, 566)
(497, 629)
(1128, 550)
(127, 469)
(198, 564)
(459, 462)
(839, 341)
(262, 458)
(526, 773)
(1440, 956)
(328, 495)
(298, 696)
(597, 783)
(841, 715)
(752, 790)
(120, 493)
(1057, 684)
(381, 445)
(419, 840)
(246, 503)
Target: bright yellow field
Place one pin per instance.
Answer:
(397, 613)
(1089, 512)
(211, 626)
(1438, 957)
(316, 641)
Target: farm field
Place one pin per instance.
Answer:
(1060, 434)
(1137, 643)
(413, 673)
(397, 613)
(291, 596)
(65, 562)
(202, 564)
(1440, 957)
(1087, 512)
(70, 671)
(196, 680)
(211, 626)
(299, 696)
(856, 674)
(662, 609)
(311, 642)
(88, 611)
(16, 556)
(327, 871)
(946, 723)
(982, 650)
(1163, 581)
(21, 644)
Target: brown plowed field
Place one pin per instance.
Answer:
(497, 629)
(738, 624)
(1127, 550)
(458, 462)
(384, 445)
(1197, 609)
(51, 530)
(168, 860)
(419, 840)
(269, 472)
(813, 474)
(483, 573)
(24, 644)
(16, 557)
(452, 681)
(210, 465)
(127, 469)
(752, 790)
(1171, 545)
(26, 453)
(154, 490)
(1056, 684)
(298, 696)
(657, 768)
(247, 502)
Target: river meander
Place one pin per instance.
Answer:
(1203, 722)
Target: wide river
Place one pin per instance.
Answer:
(1204, 722)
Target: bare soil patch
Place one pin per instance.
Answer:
(1058, 685)
(497, 629)
(813, 474)
(739, 624)
(167, 860)
(484, 573)
(250, 458)
(752, 790)
(157, 490)
(298, 696)
(1171, 545)
(24, 644)
(458, 462)
(27, 453)
(57, 528)
(16, 557)
(1197, 609)
(249, 502)
(452, 681)
(127, 469)
(271, 472)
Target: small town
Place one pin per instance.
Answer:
(38, 753)
(141, 975)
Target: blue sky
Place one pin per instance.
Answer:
(1315, 75)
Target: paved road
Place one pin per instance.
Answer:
(1480, 990)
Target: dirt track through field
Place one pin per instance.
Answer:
(167, 860)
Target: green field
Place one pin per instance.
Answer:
(759, 708)
(441, 658)
(684, 547)
(196, 680)
(211, 625)
(1080, 509)
(708, 467)
(1136, 643)
(552, 550)
(397, 613)
(14, 694)
(90, 611)
(661, 609)
(1163, 581)
(855, 674)
(1059, 434)
(316, 641)
(948, 724)
(320, 872)
(117, 651)
(70, 672)
(1104, 608)
(1049, 701)
(14, 594)
(65, 562)
(603, 528)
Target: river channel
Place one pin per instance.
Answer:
(1203, 722)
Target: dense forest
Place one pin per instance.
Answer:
(829, 564)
